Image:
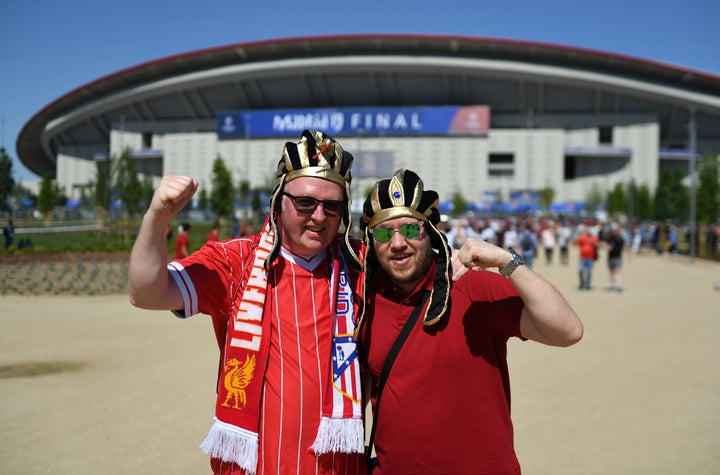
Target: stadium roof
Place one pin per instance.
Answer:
(512, 77)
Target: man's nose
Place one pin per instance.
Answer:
(397, 240)
(319, 212)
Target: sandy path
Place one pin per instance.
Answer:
(91, 385)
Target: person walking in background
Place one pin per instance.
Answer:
(281, 303)
(564, 235)
(485, 230)
(671, 242)
(616, 244)
(510, 236)
(587, 245)
(168, 233)
(528, 242)
(9, 233)
(214, 234)
(444, 406)
(238, 228)
(460, 231)
(547, 238)
(182, 242)
(637, 240)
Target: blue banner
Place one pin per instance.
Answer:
(371, 121)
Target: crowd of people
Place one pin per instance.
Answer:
(554, 238)
(550, 239)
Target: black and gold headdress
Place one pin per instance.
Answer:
(404, 195)
(315, 155)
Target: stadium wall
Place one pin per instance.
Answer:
(468, 165)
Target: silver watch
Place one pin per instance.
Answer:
(517, 260)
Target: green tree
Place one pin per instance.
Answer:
(593, 198)
(459, 202)
(256, 202)
(7, 183)
(546, 196)
(643, 202)
(203, 199)
(617, 201)
(222, 195)
(244, 194)
(58, 194)
(672, 198)
(46, 197)
(708, 191)
(148, 189)
(127, 182)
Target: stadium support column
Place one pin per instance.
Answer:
(246, 130)
(122, 135)
(247, 212)
(529, 121)
(357, 200)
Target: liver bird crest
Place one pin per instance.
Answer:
(237, 378)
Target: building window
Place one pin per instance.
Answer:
(501, 165)
(605, 135)
(147, 140)
(570, 169)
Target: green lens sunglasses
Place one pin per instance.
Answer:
(408, 231)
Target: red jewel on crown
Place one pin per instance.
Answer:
(322, 149)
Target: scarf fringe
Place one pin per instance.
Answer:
(340, 435)
(232, 444)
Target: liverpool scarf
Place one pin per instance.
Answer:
(234, 434)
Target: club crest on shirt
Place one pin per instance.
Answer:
(237, 377)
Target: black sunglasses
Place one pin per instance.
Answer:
(307, 205)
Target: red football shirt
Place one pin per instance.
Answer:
(445, 407)
(298, 305)
(181, 242)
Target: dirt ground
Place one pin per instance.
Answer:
(90, 385)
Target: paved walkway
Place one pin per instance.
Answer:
(92, 385)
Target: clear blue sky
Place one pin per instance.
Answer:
(48, 48)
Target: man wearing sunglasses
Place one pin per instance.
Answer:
(434, 336)
(283, 309)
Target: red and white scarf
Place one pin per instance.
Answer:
(234, 434)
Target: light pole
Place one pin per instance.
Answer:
(693, 198)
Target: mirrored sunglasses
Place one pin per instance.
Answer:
(407, 231)
(307, 205)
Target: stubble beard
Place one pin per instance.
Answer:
(412, 276)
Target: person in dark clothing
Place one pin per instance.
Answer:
(9, 233)
(616, 244)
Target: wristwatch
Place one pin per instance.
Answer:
(517, 260)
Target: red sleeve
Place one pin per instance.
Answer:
(494, 298)
(210, 276)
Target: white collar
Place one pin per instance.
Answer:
(308, 263)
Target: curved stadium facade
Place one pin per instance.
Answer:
(489, 118)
